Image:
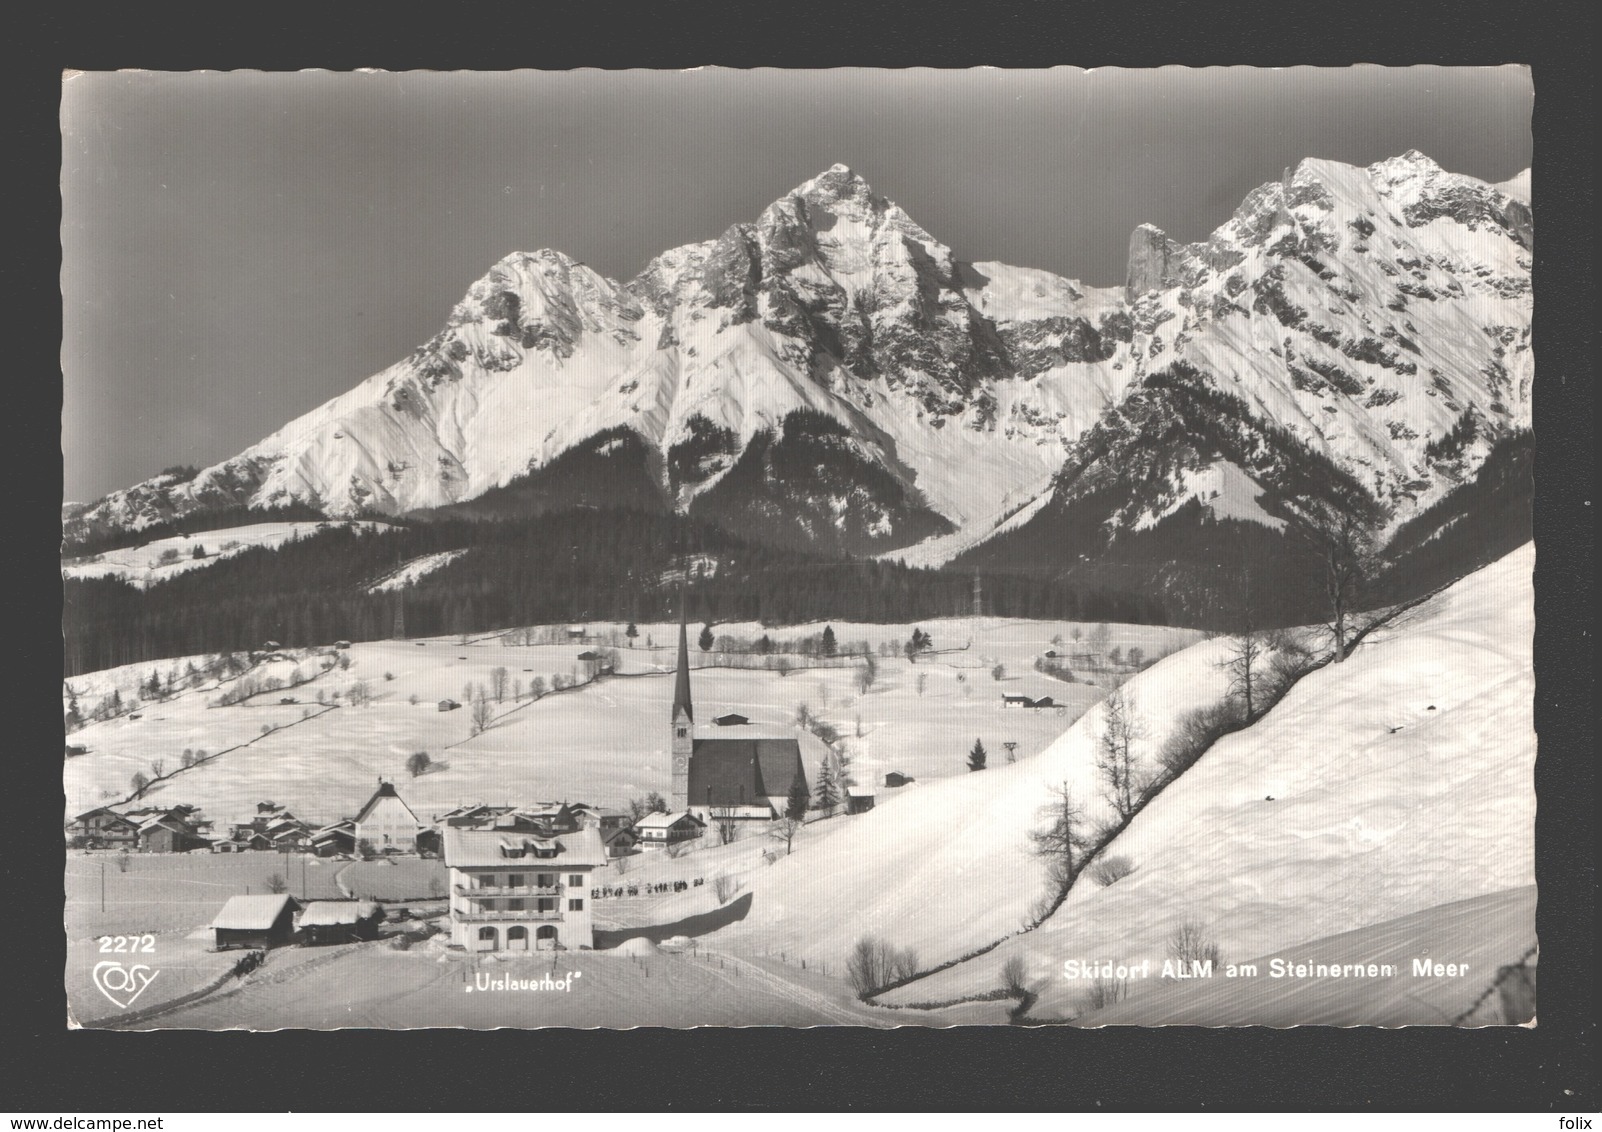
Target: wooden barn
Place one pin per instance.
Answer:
(255, 921)
(331, 840)
(859, 799)
(340, 921)
(168, 834)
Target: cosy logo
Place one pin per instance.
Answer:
(123, 984)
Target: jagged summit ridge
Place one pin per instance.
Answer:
(1368, 313)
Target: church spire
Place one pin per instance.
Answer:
(681, 684)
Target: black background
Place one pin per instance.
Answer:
(1551, 1068)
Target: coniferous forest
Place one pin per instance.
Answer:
(583, 564)
(621, 564)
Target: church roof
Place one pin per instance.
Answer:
(740, 770)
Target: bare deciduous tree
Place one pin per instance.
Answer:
(1015, 977)
(725, 826)
(1063, 836)
(1116, 761)
(483, 711)
(1111, 870)
(784, 828)
(1190, 942)
(1343, 539)
(875, 963)
(498, 679)
(725, 886)
(1103, 992)
(1247, 648)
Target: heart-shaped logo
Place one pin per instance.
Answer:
(123, 984)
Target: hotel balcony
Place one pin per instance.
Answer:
(508, 890)
(478, 917)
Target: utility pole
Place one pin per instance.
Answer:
(978, 597)
(102, 884)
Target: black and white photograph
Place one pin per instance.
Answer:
(799, 548)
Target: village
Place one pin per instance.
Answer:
(253, 884)
(711, 833)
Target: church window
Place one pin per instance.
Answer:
(681, 732)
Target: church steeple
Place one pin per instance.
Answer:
(683, 722)
(681, 683)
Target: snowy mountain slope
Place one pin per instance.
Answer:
(1395, 782)
(1368, 314)
(164, 558)
(956, 848)
(1482, 933)
(409, 573)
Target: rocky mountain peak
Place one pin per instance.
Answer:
(1153, 261)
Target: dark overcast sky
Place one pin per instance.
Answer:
(238, 248)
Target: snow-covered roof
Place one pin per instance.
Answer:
(480, 848)
(385, 790)
(859, 792)
(250, 913)
(326, 913)
(664, 821)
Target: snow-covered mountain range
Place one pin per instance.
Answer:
(830, 374)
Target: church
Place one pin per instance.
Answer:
(733, 768)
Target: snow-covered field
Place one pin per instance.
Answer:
(1383, 811)
(1482, 934)
(164, 558)
(410, 573)
(107, 893)
(376, 987)
(945, 867)
(603, 743)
